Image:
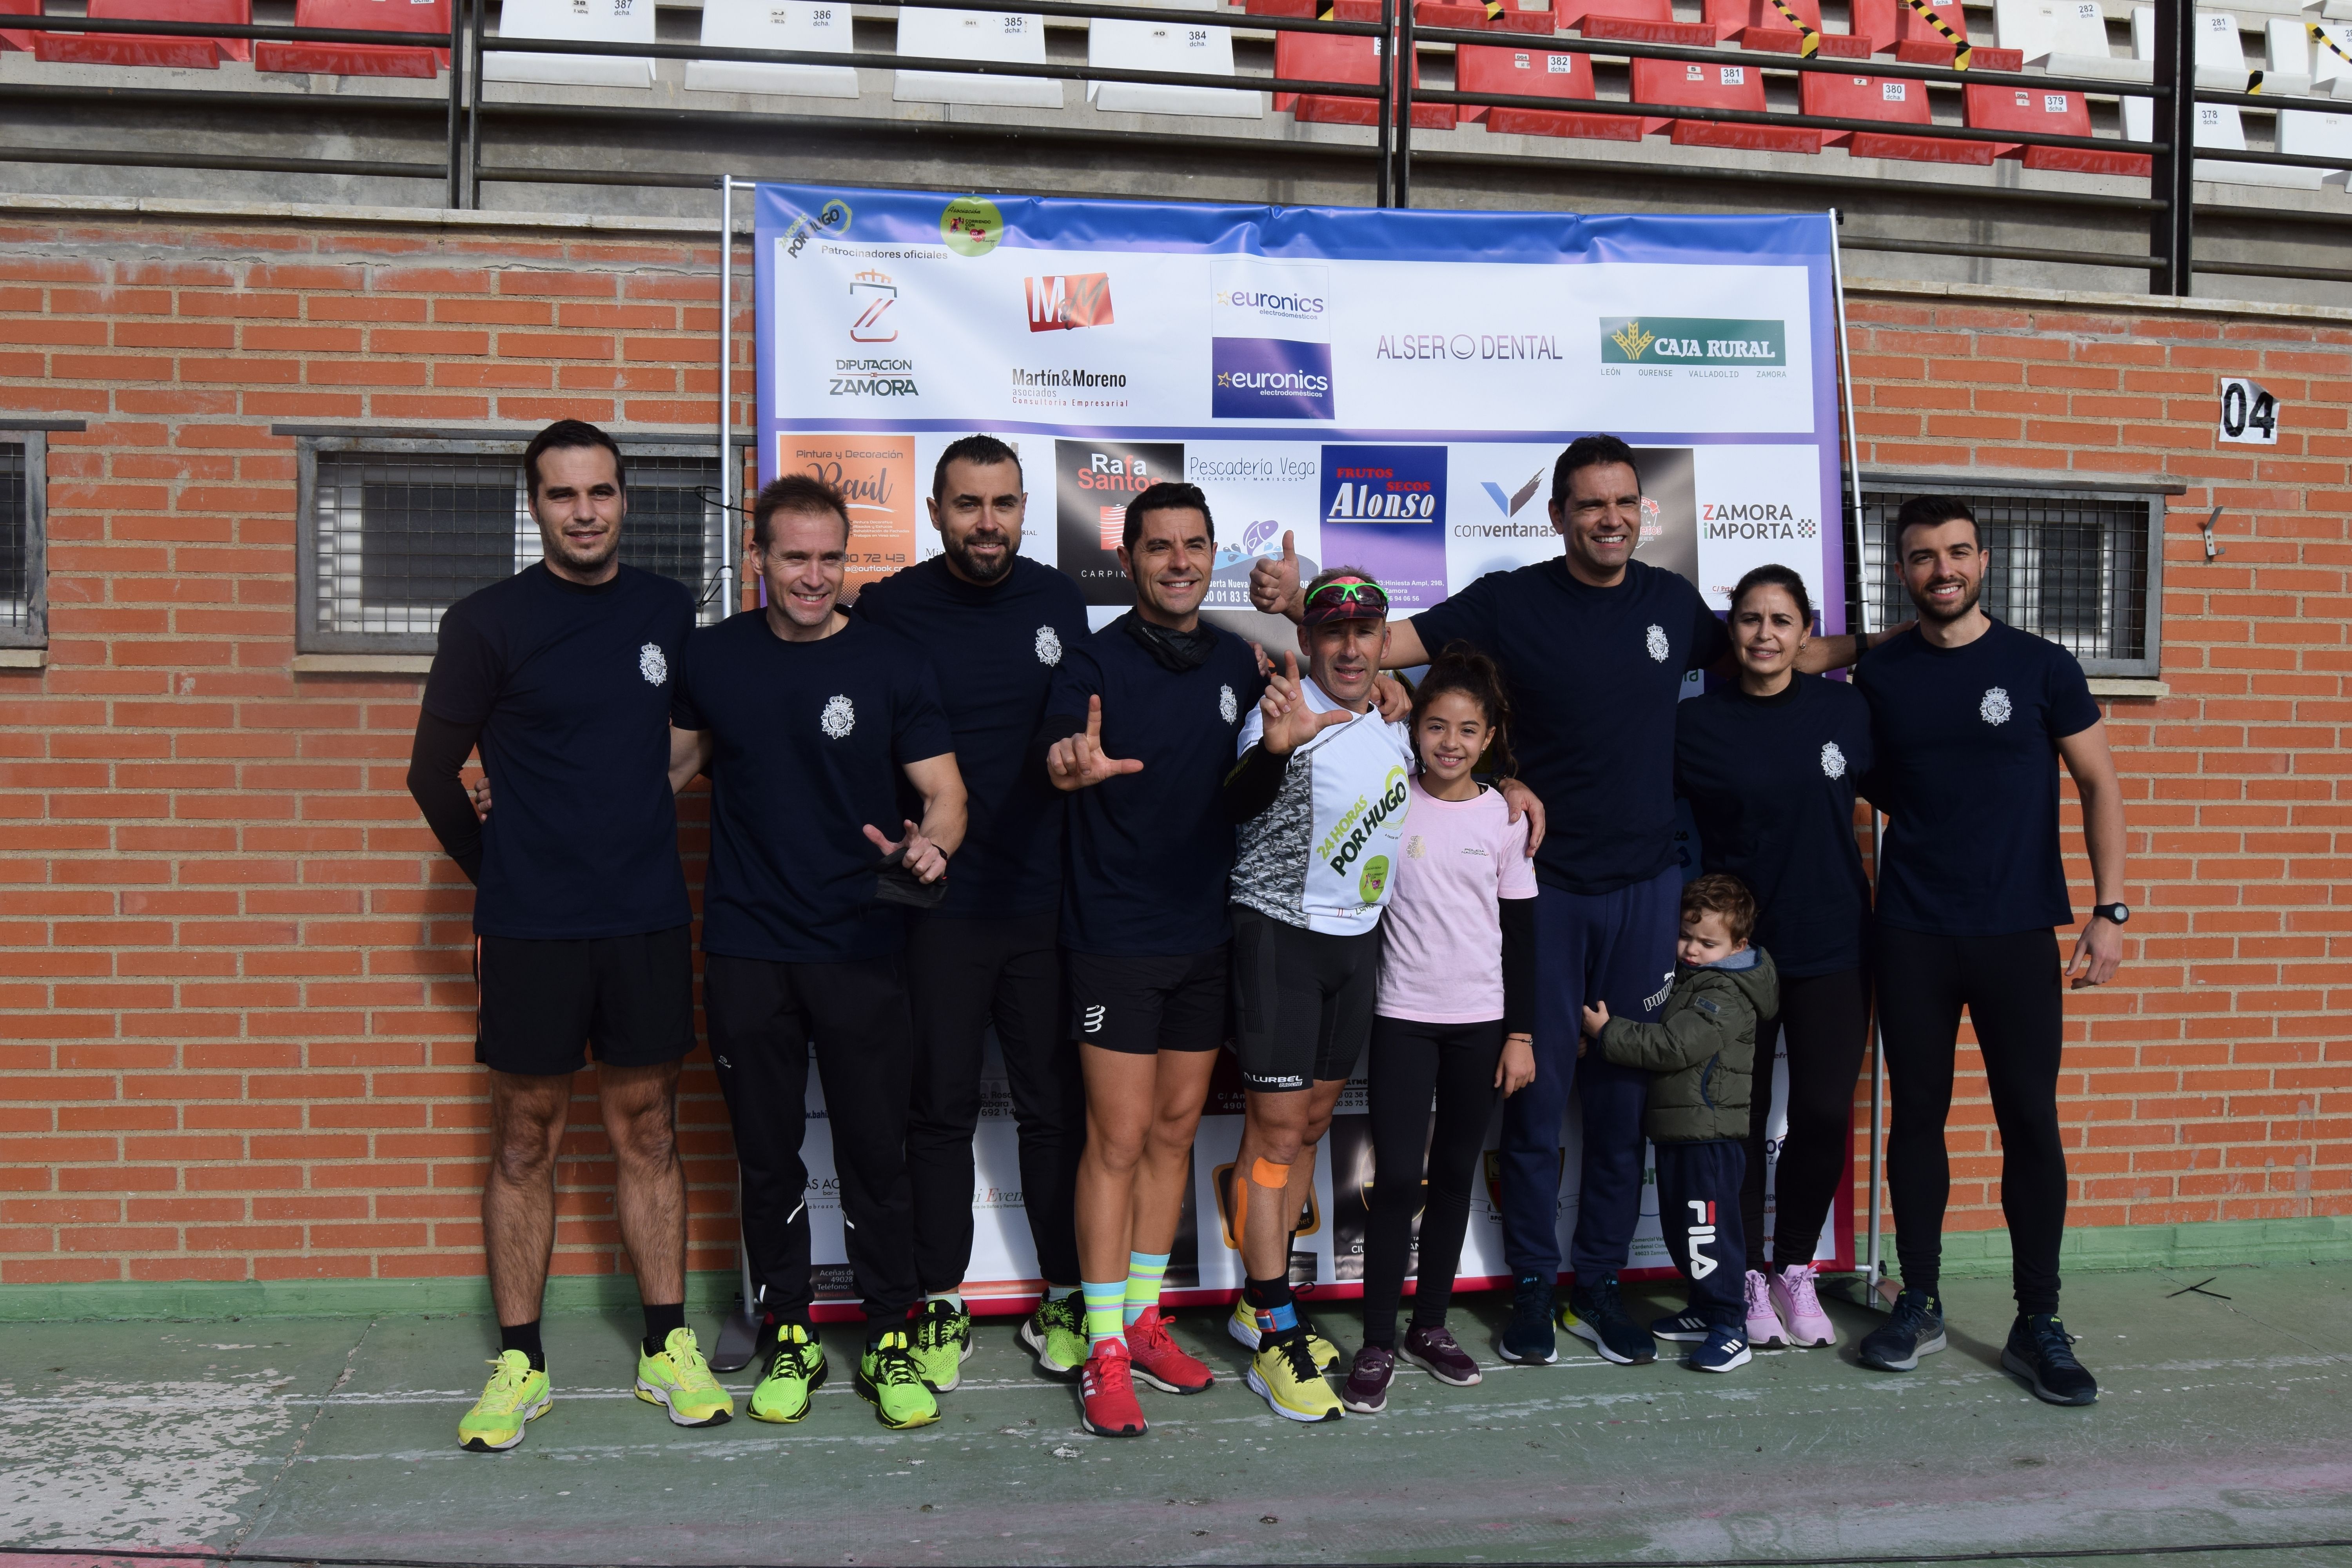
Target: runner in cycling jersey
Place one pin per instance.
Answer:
(1318, 795)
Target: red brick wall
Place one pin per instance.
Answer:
(233, 970)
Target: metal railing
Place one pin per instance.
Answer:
(2168, 208)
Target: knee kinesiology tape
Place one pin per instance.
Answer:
(1269, 1175)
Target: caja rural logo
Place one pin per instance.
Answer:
(1693, 340)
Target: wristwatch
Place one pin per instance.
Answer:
(2114, 914)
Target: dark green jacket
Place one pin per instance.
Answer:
(1702, 1048)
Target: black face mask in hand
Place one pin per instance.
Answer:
(1172, 649)
(894, 884)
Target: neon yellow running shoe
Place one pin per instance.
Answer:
(887, 1380)
(516, 1395)
(1243, 1326)
(1284, 1373)
(1055, 1334)
(796, 1370)
(942, 1344)
(679, 1380)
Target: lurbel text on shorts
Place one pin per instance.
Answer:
(1048, 380)
(1468, 346)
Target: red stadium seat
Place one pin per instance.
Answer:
(1893, 24)
(2050, 111)
(1759, 25)
(1713, 86)
(1635, 21)
(18, 37)
(361, 60)
(1883, 97)
(143, 49)
(1536, 73)
(1438, 13)
(1327, 56)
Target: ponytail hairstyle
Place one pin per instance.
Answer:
(1461, 668)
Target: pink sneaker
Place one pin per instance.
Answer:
(1792, 1296)
(1764, 1329)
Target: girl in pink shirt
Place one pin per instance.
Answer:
(1454, 1020)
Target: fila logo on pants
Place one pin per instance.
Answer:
(1702, 1232)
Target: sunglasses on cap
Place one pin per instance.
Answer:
(1347, 599)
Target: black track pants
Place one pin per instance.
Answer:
(2010, 986)
(1412, 1062)
(763, 1016)
(1828, 1020)
(965, 975)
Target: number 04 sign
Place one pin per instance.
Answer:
(2249, 415)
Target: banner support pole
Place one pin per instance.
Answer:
(1875, 1262)
(729, 471)
(1387, 45)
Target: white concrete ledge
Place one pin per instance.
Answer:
(363, 663)
(2129, 686)
(24, 658)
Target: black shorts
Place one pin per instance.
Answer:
(543, 1004)
(1141, 1006)
(1302, 1002)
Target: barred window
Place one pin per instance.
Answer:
(23, 575)
(2079, 567)
(397, 531)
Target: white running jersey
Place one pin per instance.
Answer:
(1323, 856)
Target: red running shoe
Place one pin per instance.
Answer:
(1159, 1361)
(1107, 1393)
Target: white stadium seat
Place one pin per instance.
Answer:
(811, 26)
(2286, 56)
(577, 21)
(2331, 68)
(2220, 56)
(2066, 37)
(1167, 46)
(997, 36)
(2220, 128)
(2313, 134)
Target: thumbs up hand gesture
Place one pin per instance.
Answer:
(1274, 581)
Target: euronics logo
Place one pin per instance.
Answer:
(1691, 340)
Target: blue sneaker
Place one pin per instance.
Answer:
(1916, 1328)
(1597, 1314)
(1529, 1339)
(1724, 1349)
(1686, 1327)
(2041, 1351)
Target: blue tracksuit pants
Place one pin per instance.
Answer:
(1618, 947)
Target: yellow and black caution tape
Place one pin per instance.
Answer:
(2320, 36)
(1808, 38)
(1959, 45)
(2253, 83)
(1494, 10)
(1323, 9)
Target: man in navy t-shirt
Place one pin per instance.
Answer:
(807, 720)
(1594, 649)
(1970, 718)
(996, 625)
(561, 675)
(1139, 729)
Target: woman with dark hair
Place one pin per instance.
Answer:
(1768, 766)
(1454, 1017)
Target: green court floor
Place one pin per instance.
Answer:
(2223, 1423)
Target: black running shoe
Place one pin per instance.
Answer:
(1529, 1339)
(1916, 1328)
(1598, 1315)
(2041, 1351)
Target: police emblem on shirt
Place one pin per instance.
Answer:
(652, 664)
(1229, 708)
(1656, 640)
(1832, 761)
(839, 718)
(1994, 708)
(1049, 646)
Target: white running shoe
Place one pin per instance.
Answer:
(1793, 1299)
(1764, 1329)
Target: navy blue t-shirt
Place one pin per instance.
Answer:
(808, 738)
(1967, 772)
(1148, 853)
(570, 687)
(1770, 782)
(1593, 675)
(994, 650)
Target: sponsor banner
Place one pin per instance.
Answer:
(1388, 389)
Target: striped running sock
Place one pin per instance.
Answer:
(1143, 1273)
(1105, 1303)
